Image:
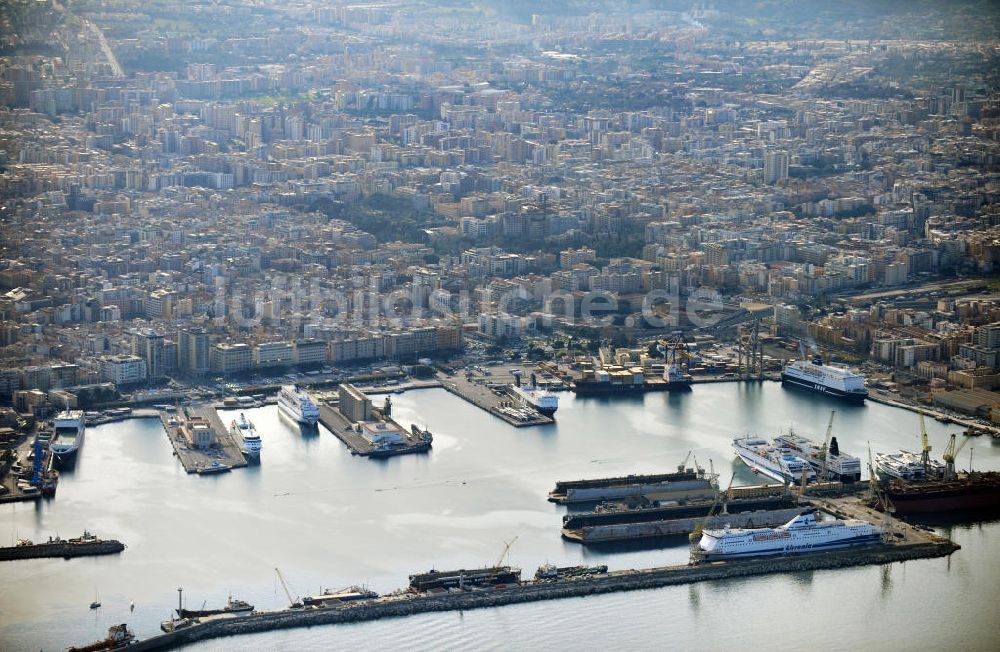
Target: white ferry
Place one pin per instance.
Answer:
(246, 436)
(296, 403)
(841, 466)
(776, 462)
(804, 533)
(832, 380)
(68, 430)
(538, 398)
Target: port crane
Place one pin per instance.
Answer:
(925, 447)
(674, 349)
(292, 602)
(824, 452)
(505, 553)
(680, 467)
(951, 451)
(696, 532)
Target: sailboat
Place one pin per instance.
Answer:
(96, 604)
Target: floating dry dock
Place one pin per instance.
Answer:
(914, 546)
(683, 485)
(84, 546)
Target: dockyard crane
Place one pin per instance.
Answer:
(506, 551)
(824, 452)
(925, 447)
(949, 455)
(680, 467)
(292, 602)
(696, 532)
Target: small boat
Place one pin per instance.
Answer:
(95, 604)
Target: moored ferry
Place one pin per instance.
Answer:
(296, 403)
(804, 533)
(832, 380)
(779, 463)
(67, 433)
(839, 464)
(246, 436)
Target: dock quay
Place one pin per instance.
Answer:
(372, 432)
(221, 454)
(496, 403)
(407, 603)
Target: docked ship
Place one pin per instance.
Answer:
(839, 465)
(906, 465)
(82, 546)
(296, 403)
(246, 436)
(619, 380)
(68, 429)
(119, 636)
(774, 461)
(329, 597)
(553, 572)
(804, 533)
(832, 380)
(967, 491)
(232, 607)
(533, 396)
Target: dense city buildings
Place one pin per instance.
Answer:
(262, 186)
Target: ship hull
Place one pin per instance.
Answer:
(759, 466)
(944, 501)
(819, 388)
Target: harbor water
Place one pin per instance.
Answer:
(328, 519)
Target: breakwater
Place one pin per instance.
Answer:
(629, 580)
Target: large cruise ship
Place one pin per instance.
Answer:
(246, 436)
(776, 462)
(67, 433)
(296, 404)
(840, 465)
(832, 380)
(804, 533)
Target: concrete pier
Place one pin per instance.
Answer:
(200, 460)
(344, 430)
(483, 397)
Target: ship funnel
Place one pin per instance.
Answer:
(517, 378)
(834, 447)
(534, 380)
(818, 360)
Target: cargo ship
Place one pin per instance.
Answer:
(619, 380)
(232, 607)
(82, 546)
(68, 429)
(119, 636)
(968, 491)
(458, 579)
(296, 404)
(686, 484)
(776, 462)
(832, 380)
(804, 533)
(840, 465)
(246, 435)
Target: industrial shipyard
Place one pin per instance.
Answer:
(498, 324)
